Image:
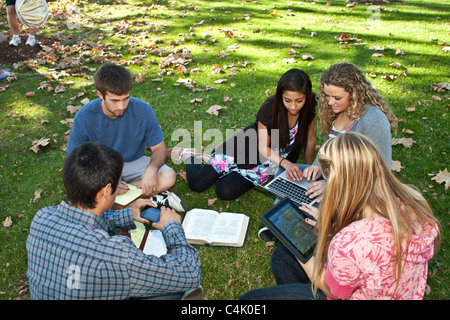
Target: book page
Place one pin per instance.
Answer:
(227, 228)
(198, 223)
(155, 244)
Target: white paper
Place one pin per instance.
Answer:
(155, 244)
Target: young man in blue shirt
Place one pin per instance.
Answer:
(126, 124)
(74, 251)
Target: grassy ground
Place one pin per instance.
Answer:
(251, 42)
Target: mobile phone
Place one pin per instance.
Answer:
(151, 213)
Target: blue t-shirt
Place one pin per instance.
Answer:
(127, 134)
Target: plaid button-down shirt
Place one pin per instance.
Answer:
(74, 254)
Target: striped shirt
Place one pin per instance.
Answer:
(74, 254)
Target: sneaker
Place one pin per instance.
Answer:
(193, 294)
(266, 235)
(15, 41)
(31, 41)
(168, 199)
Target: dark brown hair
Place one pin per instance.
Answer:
(89, 168)
(298, 81)
(113, 78)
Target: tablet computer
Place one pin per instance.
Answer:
(287, 222)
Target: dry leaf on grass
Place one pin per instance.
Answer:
(182, 175)
(37, 195)
(407, 131)
(441, 86)
(290, 60)
(396, 166)
(214, 110)
(211, 201)
(220, 81)
(39, 143)
(59, 89)
(73, 109)
(443, 177)
(436, 98)
(7, 222)
(196, 100)
(396, 65)
(307, 56)
(406, 142)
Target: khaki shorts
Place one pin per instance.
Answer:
(135, 170)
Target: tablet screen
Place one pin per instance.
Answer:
(288, 224)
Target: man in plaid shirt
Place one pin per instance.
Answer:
(74, 253)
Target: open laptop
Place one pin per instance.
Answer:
(287, 222)
(292, 189)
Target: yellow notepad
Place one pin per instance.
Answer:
(132, 194)
(137, 234)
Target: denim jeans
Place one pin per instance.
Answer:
(292, 281)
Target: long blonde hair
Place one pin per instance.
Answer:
(362, 94)
(358, 181)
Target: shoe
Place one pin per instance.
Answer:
(31, 41)
(180, 154)
(168, 199)
(194, 294)
(15, 41)
(266, 235)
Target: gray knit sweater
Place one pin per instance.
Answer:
(374, 124)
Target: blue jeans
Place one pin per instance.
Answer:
(292, 281)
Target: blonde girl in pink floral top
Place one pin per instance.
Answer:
(375, 234)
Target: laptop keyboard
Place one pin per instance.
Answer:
(288, 189)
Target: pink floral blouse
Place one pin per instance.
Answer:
(360, 262)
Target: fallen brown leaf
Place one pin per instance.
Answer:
(211, 201)
(443, 177)
(39, 143)
(436, 98)
(182, 175)
(37, 195)
(7, 222)
(406, 142)
(441, 86)
(396, 166)
(73, 109)
(214, 110)
(407, 131)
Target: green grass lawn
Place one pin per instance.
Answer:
(251, 43)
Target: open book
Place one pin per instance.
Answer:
(132, 194)
(208, 227)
